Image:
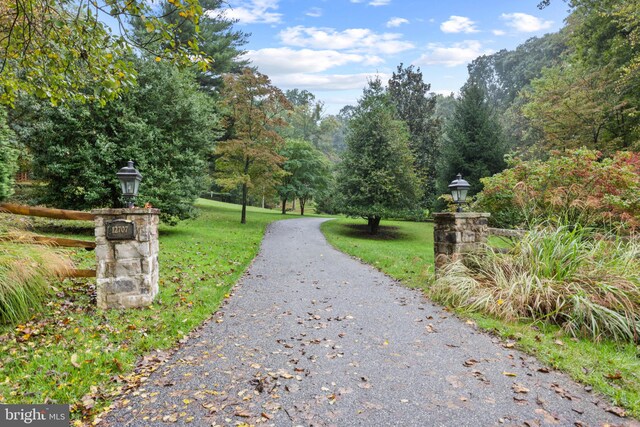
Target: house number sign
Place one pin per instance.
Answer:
(120, 230)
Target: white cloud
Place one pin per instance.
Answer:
(524, 23)
(498, 32)
(314, 12)
(458, 24)
(254, 11)
(396, 22)
(454, 55)
(279, 61)
(352, 39)
(326, 81)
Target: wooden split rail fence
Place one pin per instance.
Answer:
(52, 241)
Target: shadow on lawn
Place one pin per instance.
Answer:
(361, 231)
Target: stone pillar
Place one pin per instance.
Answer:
(127, 254)
(456, 233)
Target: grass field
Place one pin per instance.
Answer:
(73, 353)
(404, 251)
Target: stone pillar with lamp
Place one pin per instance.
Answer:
(127, 249)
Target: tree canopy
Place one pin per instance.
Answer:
(165, 124)
(61, 50)
(306, 173)
(414, 105)
(474, 144)
(248, 153)
(376, 176)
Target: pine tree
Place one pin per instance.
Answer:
(474, 144)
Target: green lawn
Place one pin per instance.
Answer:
(404, 251)
(71, 350)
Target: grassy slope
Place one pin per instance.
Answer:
(69, 347)
(405, 252)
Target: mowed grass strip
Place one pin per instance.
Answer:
(404, 251)
(71, 350)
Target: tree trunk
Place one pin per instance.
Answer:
(374, 224)
(293, 204)
(262, 200)
(284, 206)
(302, 203)
(243, 217)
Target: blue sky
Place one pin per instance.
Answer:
(331, 47)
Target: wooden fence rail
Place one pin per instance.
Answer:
(46, 212)
(51, 241)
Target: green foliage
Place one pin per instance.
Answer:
(505, 73)
(164, 124)
(26, 274)
(60, 50)
(565, 276)
(306, 122)
(577, 187)
(473, 142)
(8, 157)
(376, 177)
(248, 155)
(307, 173)
(417, 108)
(590, 99)
(214, 32)
(574, 106)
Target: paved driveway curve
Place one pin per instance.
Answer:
(313, 337)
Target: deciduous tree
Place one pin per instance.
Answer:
(306, 170)
(249, 153)
(61, 50)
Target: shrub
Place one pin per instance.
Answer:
(578, 187)
(26, 274)
(588, 284)
(7, 158)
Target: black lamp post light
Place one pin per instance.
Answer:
(459, 188)
(129, 182)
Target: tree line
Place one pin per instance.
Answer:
(174, 93)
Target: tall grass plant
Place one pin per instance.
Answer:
(569, 276)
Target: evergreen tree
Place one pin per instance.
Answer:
(416, 107)
(473, 144)
(165, 124)
(214, 33)
(376, 177)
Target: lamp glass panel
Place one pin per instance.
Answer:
(129, 188)
(455, 193)
(136, 187)
(463, 194)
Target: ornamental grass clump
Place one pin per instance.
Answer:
(27, 273)
(587, 283)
